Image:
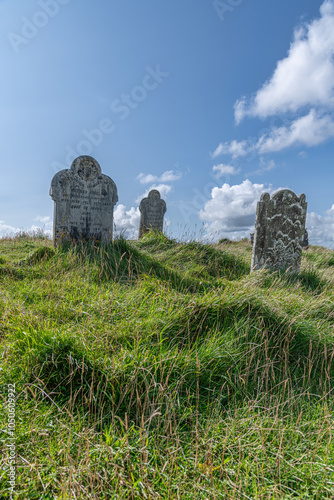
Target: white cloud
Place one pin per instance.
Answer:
(164, 190)
(233, 148)
(7, 230)
(222, 169)
(301, 85)
(126, 221)
(239, 110)
(231, 214)
(309, 130)
(158, 182)
(304, 78)
(231, 211)
(35, 229)
(47, 225)
(168, 176)
(44, 220)
(321, 228)
(146, 179)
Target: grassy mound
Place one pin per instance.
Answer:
(155, 369)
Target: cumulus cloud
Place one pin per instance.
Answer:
(304, 78)
(301, 85)
(46, 225)
(164, 190)
(222, 169)
(126, 222)
(37, 229)
(321, 228)
(168, 176)
(44, 220)
(309, 130)
(8, 230)
(233, 148)
(158, 182)
(231, 211)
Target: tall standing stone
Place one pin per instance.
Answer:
(152, 211)
(84, 201)
(279, 231)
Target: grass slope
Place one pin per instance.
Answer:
(156, 369)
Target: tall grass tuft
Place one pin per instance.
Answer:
(159, 369)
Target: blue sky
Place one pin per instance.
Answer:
(212, 102)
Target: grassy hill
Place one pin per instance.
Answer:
(156, 369)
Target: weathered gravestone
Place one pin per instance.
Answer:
(279, 231)
(84, 203)
(152, 210)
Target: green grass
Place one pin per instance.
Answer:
(154, 369)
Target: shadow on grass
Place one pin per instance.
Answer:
(41, 254)
(200, 260)
(11, 273)
(121, 262)
(191, 267)
(235, 351)
(309, 280)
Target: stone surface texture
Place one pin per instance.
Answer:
(279, 231)
(152, 211)
(84, 201)
(305, 242)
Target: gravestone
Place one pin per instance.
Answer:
(152, 211)
(279, 231)
(305, 241)
(84, 201)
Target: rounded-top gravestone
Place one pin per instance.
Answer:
(84, 201)
(279, 231)
(152, 211)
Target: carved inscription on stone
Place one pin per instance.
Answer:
(84, 203)
(152, 210)
(279, 231)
